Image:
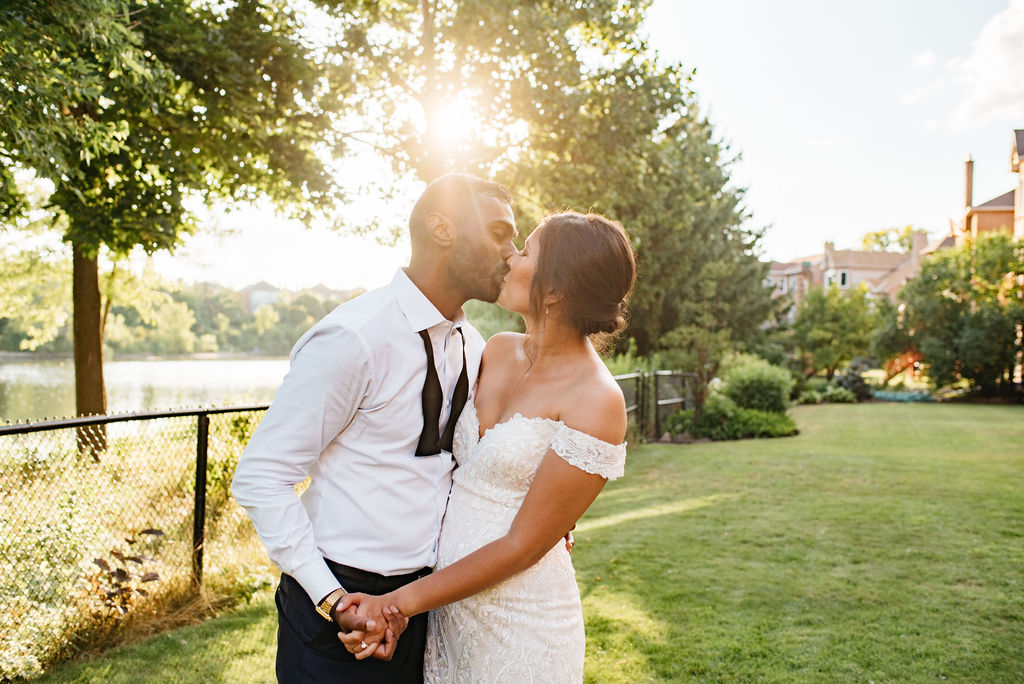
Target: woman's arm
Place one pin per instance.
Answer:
(559, 495)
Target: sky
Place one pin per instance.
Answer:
(844, 118)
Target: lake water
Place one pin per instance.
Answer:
(33, 390)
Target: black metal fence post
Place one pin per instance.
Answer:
(641, 413)
(199, 515)
(655, 407)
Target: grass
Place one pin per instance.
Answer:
(885, 543)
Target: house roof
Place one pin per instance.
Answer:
(262, 285)
(893, 281)
(1003, 202)
(947, 242)
(849, 258)
(795, 267)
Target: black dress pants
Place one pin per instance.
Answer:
(308, 649)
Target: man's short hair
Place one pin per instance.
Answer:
(454, 195)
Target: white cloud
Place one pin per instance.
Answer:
(992, 76)
(923, 59)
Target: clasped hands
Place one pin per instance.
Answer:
(369, 625)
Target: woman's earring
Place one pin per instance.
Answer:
(547, 310)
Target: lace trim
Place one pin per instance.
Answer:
(590, 454)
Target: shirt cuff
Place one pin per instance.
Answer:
(317, 579)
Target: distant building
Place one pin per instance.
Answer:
(260, 294)
(884, 273)
(1002, 213)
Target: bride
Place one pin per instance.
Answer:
(534, 449)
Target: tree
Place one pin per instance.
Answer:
(474, 85)
(832, 327)
(965, 313)
(890, 239)
(131, 108)
(565, 104)
(892, 344)
(35, 285)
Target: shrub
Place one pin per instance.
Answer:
(834, 394)
(734, 360)
(679, 422)
(753, 423)
(810, 397)
(723, 420)
(853, 380)
(799, 385)
(817, 384)
(758, 385)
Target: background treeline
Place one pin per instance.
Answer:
(173, 318)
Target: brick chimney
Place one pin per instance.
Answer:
(919, 243)
(968, 182)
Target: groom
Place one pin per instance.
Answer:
(366, 412)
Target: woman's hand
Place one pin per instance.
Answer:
(378, 611)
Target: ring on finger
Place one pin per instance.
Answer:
(362, 644)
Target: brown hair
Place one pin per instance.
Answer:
(588, 261)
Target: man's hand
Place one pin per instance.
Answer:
(364, 644)
(348, 620)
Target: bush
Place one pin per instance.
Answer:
(723, 420)
(853, 380)
(758, 385)
(751, 423)
(834, 394)
(817, 384)
(734, 360)
(678, 423)
(810, 397)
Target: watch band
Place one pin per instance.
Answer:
(326, 605)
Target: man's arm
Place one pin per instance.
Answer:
(330, 373)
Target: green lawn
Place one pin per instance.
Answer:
(885, 543)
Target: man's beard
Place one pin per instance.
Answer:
(472, 277)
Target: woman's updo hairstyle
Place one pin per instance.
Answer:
(587, 260)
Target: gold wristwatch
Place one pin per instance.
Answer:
(326, 606)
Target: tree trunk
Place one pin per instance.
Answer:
(90, 391)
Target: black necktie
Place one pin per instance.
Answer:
(430, 443)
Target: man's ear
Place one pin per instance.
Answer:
(440, 229)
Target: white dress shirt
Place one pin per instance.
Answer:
(349, 415)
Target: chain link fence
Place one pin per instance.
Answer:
(103, 516)
(98, 518)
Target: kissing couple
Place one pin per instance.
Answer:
(444, 472)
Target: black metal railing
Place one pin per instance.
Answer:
(89, 533)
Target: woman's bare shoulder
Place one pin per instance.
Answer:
(597, 407)
(500, 348)
(503, 343)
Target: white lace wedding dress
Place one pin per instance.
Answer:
(528, 628)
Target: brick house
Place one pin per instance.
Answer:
(884, 273)
(1002, 213)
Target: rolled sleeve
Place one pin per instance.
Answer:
(330, 375)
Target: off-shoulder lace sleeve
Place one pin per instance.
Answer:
(589, 453)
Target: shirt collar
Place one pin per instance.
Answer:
(418, 310)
